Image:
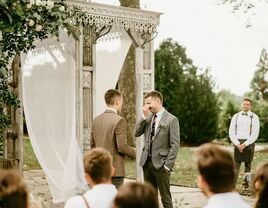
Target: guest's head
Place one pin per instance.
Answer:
(113, 99)
(246, 104)
(216, 169)
(261, 186)
(13, 191)
(98, 166)
(136, 195)
(154, 101)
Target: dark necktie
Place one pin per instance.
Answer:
(244, 114)
(152, 134)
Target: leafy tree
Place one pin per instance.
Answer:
(170, 62)
(261, 109)
(229, 105)
(225, 120)
(259, 83)
(188, 93)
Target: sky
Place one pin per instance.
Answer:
(214, 37)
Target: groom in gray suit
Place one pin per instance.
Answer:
(162, 138)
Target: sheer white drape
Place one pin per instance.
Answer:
(49, 106)
(110, 56)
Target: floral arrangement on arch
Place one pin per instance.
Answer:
(21, 23)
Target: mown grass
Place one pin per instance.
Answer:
(30, 161)
(184, 171)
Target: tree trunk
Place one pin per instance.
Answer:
(130, 3)
(127, 83)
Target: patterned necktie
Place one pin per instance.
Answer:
(152, 134)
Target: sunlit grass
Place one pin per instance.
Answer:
(30, 162)
(184, 171)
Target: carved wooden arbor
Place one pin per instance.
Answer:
(99, 20)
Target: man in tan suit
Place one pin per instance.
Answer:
(109, 132)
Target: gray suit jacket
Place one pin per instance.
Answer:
(109, 132)
(166, 141)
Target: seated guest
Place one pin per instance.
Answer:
(217, 176)
(13, 191)
(136, 195)
(261, 186)
(98, 172)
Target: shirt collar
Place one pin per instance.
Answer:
(111, 109)
(160, 113)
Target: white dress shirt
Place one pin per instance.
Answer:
(100, 196)
(157, 119)
(242, 131)
(226, 200)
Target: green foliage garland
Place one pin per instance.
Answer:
(21, 23)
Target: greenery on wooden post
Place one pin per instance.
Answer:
(21, 23)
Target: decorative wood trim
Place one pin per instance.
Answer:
(86, 79)
(86, 139)
(101, 15)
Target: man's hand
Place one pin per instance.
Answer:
(146, 110)
(167, 170)
(241, 147)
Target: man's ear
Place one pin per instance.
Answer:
(202, 184)
(112, 171)
(88, 179)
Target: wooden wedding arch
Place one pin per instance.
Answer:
(98, 20)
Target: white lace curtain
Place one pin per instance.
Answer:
(49, 106)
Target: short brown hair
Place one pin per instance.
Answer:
(216, 166)
(261, 176)
(13, 191)
(136, 195)
(98, 165)
(111, 96)
(154, 94)
(248, 99)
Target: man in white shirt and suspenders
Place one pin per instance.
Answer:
(243, 132)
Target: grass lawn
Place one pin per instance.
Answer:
(30, 161)
(184, 173)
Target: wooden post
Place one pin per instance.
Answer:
(139, 104)
(145, 83)
(87, 86)
(13, 142)
(79, 85)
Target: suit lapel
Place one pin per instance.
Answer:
(163, 119)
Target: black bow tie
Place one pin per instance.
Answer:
(244, 114)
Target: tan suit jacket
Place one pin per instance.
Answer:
(109, 132)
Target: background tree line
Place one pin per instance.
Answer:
(189, 93)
